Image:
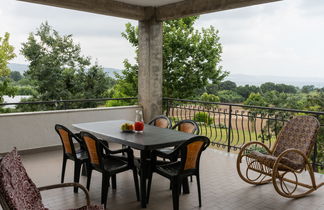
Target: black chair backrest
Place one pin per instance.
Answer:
(188, 126)
(161, 121)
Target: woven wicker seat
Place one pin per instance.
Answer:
(17, 190)
(288, 159)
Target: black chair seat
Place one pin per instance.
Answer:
(115, 164)
(82, 155)
(169, 170)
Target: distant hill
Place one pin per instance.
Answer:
(18, 67)
(111, 71)
(243, 79)
(239, 79)
(23, 67)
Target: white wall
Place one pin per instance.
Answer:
(36, 129)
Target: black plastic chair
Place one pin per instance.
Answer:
(188, 165)
(79, 157)
(188, 126)
(102, 159)
(161, 121)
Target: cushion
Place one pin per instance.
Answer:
(269, 161)
(16, 187)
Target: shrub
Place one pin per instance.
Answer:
(203, 117)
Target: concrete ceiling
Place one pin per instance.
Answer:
(159, 10)
(149, 3)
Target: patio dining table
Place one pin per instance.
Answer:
(152, 138)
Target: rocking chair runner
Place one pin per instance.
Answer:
(287, 160)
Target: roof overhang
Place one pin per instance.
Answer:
(147, 9)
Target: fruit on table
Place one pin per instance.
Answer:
(127, 127)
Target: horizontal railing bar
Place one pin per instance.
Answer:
(246, 106)
(67, 101)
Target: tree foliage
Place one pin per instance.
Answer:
(58, 69)
(190, 59)
(6, 54)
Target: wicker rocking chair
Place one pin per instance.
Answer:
(287, 163)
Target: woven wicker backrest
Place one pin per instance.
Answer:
(193, 151)
(65, 140)
(92, 149)
(190, 152)
(161, 123)
(187, 127)
(299, 133)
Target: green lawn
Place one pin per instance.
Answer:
(238, 137)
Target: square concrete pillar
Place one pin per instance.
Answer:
(150, 67)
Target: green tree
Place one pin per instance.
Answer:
(255, 99)
(15, 76)
(57, 68)
(6, 54)
(190, 59)
(229, 96)
(209, 98)
(315, 102)
(281, 88)
(246, 90)
(307, 88)
(227, 85)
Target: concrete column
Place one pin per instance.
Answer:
(150, 68)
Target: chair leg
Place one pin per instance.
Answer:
(104, 189)
(84, 169)
(63, 168)
(77, 169)
(198, 186)
(89, 173)
(150, 176)
(136, 183)
(113, 181)
(175, 193)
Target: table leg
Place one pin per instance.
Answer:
(143, 172)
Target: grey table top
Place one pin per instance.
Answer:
(152, 137)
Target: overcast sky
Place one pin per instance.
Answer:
(282, 38)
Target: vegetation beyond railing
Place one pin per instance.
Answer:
(229, 126)
(66, 104)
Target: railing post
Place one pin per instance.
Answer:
(167, 107)
(229, 136)
(314, 158)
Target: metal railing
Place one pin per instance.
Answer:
(230, 126)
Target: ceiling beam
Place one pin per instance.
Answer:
(104, 7)
(196, 7)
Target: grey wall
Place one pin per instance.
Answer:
(36, 130)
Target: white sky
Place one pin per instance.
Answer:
(283, 38)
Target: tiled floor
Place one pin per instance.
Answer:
(221, 188)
